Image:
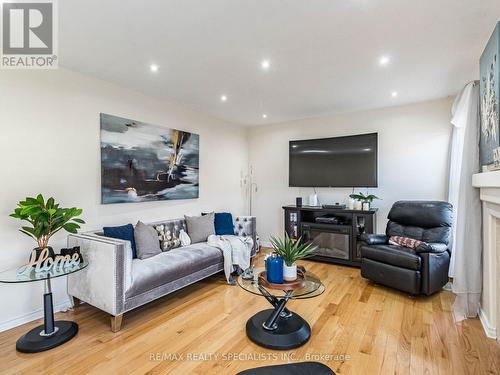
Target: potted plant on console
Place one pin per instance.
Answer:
(45, 219)
(291, 251)
(365, 200)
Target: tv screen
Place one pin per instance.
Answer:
(334, 162)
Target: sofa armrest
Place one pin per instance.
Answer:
(105, 280)
(246, 226)
(374, 239)
(431, 247)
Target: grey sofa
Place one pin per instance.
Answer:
(116, 283)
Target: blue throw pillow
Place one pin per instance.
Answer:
(124, 232)
(224, 224)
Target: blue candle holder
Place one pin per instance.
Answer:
(274, 269)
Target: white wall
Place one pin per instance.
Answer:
(413, 158)
(49, 144)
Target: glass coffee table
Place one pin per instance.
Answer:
(280, 328)
(51, 333)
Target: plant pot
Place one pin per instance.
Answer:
(366, 206)
(357, 205)
(71, 251)
(38, 252)
(290, 272)
(350, 204)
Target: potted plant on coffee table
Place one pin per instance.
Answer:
(46, 218)
(291, 251)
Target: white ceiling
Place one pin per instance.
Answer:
(323, 53)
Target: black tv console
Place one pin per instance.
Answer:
(335, 231)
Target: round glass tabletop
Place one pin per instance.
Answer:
(12, 275)
(312, 287)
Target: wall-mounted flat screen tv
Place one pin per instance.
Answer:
(334, 162)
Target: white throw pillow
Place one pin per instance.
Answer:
(184, 237)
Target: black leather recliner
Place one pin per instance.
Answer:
(423, 270)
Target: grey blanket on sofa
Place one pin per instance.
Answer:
(236, 251)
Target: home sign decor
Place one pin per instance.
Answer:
(42, 262)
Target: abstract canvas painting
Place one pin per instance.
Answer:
(142, 162)
(490, 96)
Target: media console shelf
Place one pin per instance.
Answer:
(336, 234)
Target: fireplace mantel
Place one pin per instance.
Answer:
(486, 179)
(489, 185)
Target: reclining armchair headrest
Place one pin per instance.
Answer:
(424, 214)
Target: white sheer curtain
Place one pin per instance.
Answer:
(466, 264)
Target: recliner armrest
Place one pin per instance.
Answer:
(431, 247)
(374, 239)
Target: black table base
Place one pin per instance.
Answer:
(289, 330)
(34, 341)
(49, 335)
(52, 333)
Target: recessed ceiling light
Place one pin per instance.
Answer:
(223, 98)
(154, 68)
(384, 60)
(265, 64)
(394, 94)
(264, 115)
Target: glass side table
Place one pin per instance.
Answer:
(280, 328)
(51, 333)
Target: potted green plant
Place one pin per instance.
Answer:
(46, 218)
(291, 251)
(366, 200)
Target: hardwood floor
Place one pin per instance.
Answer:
(357, 328)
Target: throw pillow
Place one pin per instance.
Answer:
(184, 238)
(166, 236)
(200, 227)
(405, 242)
(146, 241)
(224, 224)
(124, 232)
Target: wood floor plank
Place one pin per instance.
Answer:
(357, 327)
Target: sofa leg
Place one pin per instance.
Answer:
(116, 322)
(76, 302)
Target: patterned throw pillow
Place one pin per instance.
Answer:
(405, 242)
(168, 239)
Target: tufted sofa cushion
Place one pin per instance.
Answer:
(152, 272)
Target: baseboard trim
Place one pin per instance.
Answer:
(38, 314)
(490, 331)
